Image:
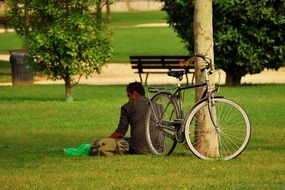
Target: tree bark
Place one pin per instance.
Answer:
(68, 89)
(207, 141)
(99, 10)
(129, 5)
(233, 80)
(99, 13)
(108, 10)
(27, 22)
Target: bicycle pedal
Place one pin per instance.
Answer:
(179, 137)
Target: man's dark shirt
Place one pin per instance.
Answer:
(133, 113)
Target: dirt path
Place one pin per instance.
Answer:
(121, 73)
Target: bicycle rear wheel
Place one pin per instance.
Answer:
(233, 133)
(160, 125)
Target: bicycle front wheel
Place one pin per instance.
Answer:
(160, 124)
(228, 140)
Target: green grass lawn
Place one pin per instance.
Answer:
(127, 40)
(5, 71)
(9, 41)
(145, 41)
(120, 19)
(36, 125)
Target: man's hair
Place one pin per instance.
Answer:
(135, 86)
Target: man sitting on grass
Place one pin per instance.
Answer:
(133, 113)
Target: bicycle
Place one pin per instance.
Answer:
(221, 120)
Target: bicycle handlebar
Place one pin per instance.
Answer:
(207, 60)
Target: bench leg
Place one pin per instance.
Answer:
(187, 80)
(145, 82)
(192, 80)
(141, 78)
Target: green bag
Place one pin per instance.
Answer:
(109, 147)
(81, 150)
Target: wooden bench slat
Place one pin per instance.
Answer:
(159, 56)
(159, 64)
(165, 67)
(155, 63)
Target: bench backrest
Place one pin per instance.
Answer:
(159, 62)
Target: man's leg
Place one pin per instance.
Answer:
(131, 150)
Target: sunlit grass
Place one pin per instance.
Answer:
(5, 71)
(146, 41)
(36, 125)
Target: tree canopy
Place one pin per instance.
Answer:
(63, 38)
(248, 34)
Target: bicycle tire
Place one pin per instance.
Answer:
(234, 125)
(161, 113)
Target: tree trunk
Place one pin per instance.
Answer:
(68, 89)
(203, 34)
(99, 13)
(99, 10)
(129, 5)
(27, 22)
(108, 10)
(232, 80)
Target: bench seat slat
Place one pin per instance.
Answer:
(165, 67)
(159, 57)
(159, 64)
(156, 62)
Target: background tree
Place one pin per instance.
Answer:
(108, 10)
(250, 37)
(64, 41)
(248, 34)
(100, 4)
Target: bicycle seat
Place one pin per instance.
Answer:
(176, 73)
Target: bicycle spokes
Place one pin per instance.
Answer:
(160, 125)
(229, 138)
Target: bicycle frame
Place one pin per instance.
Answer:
(207, 95)
(177, 94)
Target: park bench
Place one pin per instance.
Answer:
(160, 64)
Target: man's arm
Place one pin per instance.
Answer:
(123, 124)
(116, 135)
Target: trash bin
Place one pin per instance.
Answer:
(22, 75)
